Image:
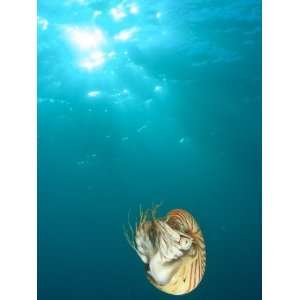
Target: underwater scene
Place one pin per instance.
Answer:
(149, 149)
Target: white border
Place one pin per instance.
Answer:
(18, 150)
(281, 149)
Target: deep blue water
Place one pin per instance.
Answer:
(143, 102)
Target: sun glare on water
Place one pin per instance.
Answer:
(86, 38)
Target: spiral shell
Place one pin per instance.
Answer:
(173, 250)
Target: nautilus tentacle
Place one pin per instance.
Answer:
(172, 248)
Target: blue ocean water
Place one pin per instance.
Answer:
(142, 102)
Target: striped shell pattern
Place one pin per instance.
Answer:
(173, 250)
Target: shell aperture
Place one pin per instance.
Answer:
(173, 250)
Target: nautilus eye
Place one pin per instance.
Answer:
(185, 243)
(173, 250)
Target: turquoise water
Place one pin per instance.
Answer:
(143, 102)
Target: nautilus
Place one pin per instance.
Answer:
(172, 249)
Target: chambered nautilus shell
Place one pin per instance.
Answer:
(172, 249)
